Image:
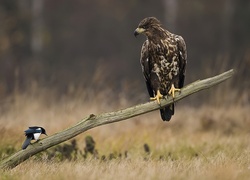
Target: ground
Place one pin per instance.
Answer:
(209, 141)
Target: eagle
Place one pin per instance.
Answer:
(163, 60)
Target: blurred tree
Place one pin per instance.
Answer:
(37, 26)
(171, 13)
(61, 44)
(14, 46)
(227, 16)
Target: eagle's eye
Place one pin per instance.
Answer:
(143, 26)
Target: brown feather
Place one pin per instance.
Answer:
(163, 60)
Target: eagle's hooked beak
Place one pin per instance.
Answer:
(138, 31)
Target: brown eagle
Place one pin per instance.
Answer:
(163, 61)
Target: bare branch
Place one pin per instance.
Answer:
(106, 118)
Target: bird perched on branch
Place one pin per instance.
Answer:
(33, 133)
(163, 61)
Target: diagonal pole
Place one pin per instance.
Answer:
(92, 120)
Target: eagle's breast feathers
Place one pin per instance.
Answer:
(163, 59)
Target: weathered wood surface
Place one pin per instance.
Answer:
(92, 120)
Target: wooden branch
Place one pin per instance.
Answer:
(97, 120)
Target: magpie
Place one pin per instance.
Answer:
(33, 133)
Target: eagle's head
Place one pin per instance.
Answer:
(148, 26)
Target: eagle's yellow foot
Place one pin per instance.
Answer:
(157, 97)
(172, 91)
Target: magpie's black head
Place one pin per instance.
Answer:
(43, 131)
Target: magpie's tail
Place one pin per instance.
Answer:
(26, 142)
(167, 112)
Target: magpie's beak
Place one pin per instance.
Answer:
(138, 31)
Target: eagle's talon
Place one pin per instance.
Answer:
(172, 91)
(157, 97)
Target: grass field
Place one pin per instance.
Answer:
(208, 142)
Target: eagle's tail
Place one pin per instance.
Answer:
(167, 112)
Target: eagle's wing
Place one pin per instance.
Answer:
(146, 67)
(182, 58)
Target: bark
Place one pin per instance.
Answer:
(92, 120)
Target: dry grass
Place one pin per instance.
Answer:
(218, 167)
(211, 142)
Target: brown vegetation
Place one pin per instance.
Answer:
(210, 141)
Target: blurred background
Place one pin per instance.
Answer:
(87, 49)
(62, 60)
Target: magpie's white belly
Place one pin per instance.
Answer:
(36, 136)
